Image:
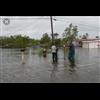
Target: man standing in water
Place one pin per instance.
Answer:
(23, 56)
(71, 55)
(54, 56)
(44, 53)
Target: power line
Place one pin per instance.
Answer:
(41, 19)
(82, 25)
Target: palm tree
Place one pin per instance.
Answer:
(87, 35)
(84, 37)
(97, 37)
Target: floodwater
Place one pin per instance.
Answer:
(37, 69)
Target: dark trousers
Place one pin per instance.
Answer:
(54, 57)
(71, 60)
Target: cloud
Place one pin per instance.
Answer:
(36, 26)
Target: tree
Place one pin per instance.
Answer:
(21, 41)
(70, 33)
(97, 37)
(87, 35)
(16, 41)
(84, 37)
(45, 40)
(34, 42)
(58, 42)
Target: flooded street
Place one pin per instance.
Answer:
(41, 70)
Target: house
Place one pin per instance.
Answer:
(90, 43)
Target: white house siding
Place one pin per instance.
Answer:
(90, 44)
(96, 45)
(85, 45)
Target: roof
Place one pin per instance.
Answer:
(90, 39)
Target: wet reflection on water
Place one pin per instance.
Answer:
(16, 66)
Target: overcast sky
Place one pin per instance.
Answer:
(37, 25)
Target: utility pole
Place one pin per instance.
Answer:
(52, 29)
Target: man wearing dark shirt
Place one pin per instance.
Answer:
(71, 55)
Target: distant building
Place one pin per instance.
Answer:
(90, 43)
(36, 46)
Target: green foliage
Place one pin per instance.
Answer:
(45, 38)
(40, 51)
(45, 41)
(58, 42)
(16, 41)
(34, 42)
(70, 33)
